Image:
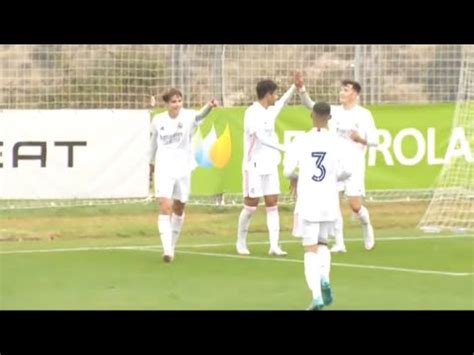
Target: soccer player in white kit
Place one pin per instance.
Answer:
(356, 129)
(172, 154)
(260, 164)
(316, 163)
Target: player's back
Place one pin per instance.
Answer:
(318, 161)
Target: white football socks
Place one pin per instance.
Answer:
(244, 223)
(363, 215)
(325, 261)
(339, 230)
(367, 229)
(176, 224)
(312, 272)
(273, 225)
(164, 227)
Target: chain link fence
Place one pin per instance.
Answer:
(124, 76)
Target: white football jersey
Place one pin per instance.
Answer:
(260, 122)
(171, 142)
(320, 162)
(357, 119)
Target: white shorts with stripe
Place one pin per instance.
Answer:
(257, 185)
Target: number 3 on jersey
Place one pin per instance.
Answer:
(319, 165)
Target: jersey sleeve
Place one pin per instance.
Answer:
(267, 142)
(202, 113)
(306, 100)
(192, 117)
(283, 100)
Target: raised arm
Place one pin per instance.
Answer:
(282, 101)
(305, 99)
(204, 111)
(299, 82)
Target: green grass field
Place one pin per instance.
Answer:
(110, 258)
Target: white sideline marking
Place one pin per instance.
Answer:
(157, 248)
(298, 240)
(284, 259)
(144, 247)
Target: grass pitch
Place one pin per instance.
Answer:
(110, 258)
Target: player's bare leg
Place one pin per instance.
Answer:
(362, 213)
(250, 206)
(164, 227)
(273, 225)
(177, 219)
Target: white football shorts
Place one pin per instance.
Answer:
(256, 185)
(173, 188)
(313, 232)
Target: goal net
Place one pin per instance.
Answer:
(452, 205)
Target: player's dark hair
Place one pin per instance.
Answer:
(355, 85)
(322, 109)
(264, 87)
(170, 93)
